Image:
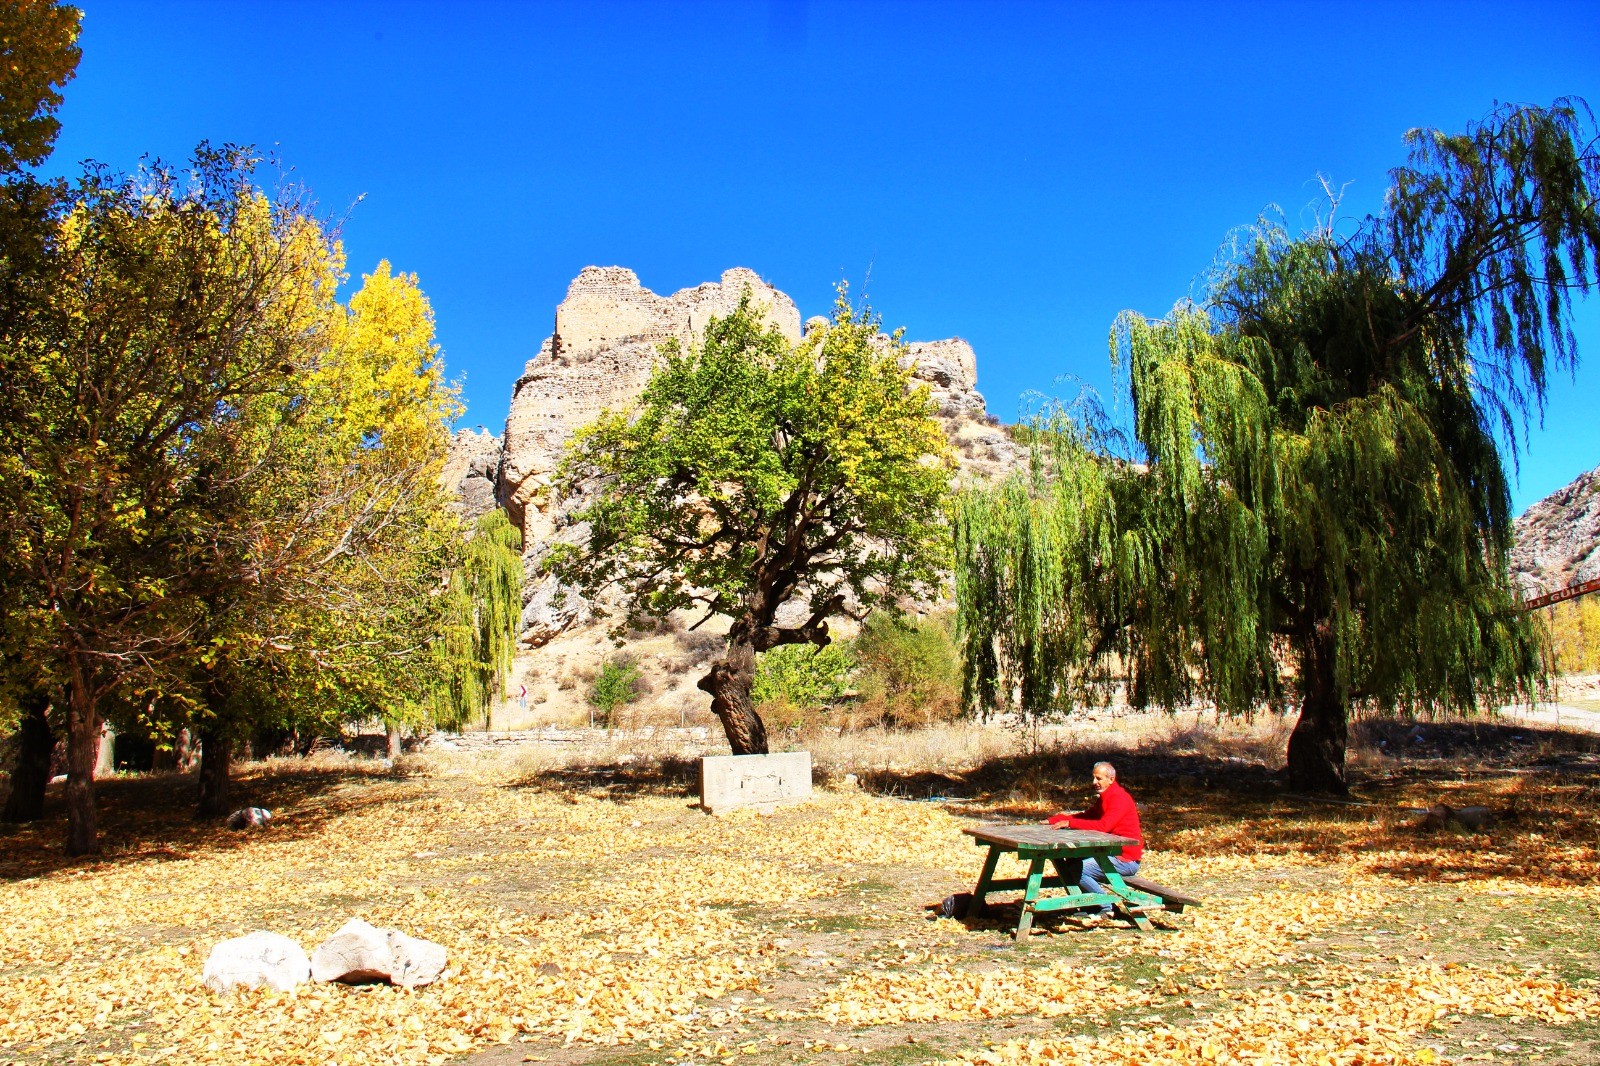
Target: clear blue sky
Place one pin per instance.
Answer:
(1014, 174)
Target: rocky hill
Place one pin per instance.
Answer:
(1558, 538)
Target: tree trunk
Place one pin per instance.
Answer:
(83, 751)
(394, 739)
(31, 776)
(216, 752)
(729, 683)
(1317, 745)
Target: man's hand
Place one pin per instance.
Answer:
(1058, 820)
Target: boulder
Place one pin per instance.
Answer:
(416, 962)
(260, 958)
(360, 953)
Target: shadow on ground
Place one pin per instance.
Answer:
(150, 817)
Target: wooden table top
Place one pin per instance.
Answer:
(1035, 837)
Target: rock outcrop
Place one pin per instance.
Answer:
(472, 473)
(1558, 539)
(607, 339)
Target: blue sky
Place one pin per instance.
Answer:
(1015, 174)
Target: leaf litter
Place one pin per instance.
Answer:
(573, 921)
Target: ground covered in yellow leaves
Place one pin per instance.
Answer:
(600, 918)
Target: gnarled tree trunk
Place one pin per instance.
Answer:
(1317, 745)
(31, 775)
(83, 751)
(729, 682)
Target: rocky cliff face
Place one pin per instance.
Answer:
(472, 473)
(1558, 538)
(607, 338)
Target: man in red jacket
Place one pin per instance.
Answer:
(1112, 812)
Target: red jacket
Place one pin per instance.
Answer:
(1113, 812)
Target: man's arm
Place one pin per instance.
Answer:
(1094, 814)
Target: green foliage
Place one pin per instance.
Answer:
(38, 55)
(1033, 555)
(803, 676)
(1315, 496)
(746, 438)
(482, 610)
(910, 669)
(616, 685)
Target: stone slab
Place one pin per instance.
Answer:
(733, 782)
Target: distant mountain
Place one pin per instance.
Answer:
(1558, 538)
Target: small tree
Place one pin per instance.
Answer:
(756, 474)
(616, 685)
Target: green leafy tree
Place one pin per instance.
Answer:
(337, 536)
(38, 55)
(755, 474)
(1317, 507)
(481, 613)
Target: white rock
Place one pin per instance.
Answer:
(357, 952)
(261, 958)
(362, 952)
(416, 962)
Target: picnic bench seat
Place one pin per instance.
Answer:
(1172, 899)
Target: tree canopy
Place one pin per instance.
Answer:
(1316, 503)
(756, 474)
(220, 486)
(38, 55)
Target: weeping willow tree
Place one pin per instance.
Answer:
(482, 609)
(1029, 583)
(1315, 507)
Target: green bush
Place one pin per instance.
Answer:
(615, 685)
(910, 670)
(803, 676)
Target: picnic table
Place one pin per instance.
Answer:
(1038, 844)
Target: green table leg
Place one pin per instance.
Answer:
(976, 910)
(1025, 923)
(1120, 888)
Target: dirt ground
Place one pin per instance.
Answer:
(594, 915)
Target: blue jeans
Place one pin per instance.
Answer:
(1089, 876)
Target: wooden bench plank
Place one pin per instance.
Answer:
(1173, 899)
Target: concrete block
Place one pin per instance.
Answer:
(729, 782)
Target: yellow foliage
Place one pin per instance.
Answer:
(1575, 635)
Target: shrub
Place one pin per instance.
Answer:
(616, 684)
(803, 676)
(910, 670)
